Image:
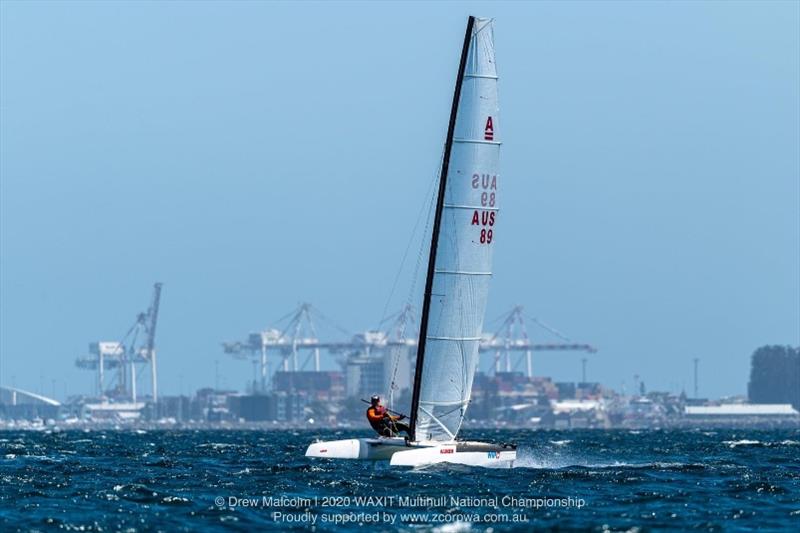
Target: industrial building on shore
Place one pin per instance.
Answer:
(290, 388)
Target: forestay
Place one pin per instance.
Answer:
(463, 261)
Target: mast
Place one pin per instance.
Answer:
(437, 220)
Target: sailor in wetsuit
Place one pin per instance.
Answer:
(381, 421)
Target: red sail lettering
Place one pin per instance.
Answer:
(488, 132)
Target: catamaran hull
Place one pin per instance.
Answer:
(465, 453)
(402, 453)
(377, 449)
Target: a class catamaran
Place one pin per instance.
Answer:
(457, 284)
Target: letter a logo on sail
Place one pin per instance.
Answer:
(488, 132)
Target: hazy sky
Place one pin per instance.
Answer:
(255, 155)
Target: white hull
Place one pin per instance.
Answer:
(402, 453)
(462, 453)
(375, 449)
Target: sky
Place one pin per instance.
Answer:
(255, 155)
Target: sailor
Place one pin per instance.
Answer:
(381, 421)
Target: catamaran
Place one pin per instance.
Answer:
(457, 283)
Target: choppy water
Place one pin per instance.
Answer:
(619, 480)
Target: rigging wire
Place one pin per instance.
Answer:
(408, 309)
(428, 196)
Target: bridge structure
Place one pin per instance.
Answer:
(20, 404)
(15, 396)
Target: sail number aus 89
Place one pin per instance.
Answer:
(485, 218)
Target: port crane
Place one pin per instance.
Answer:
(300, 334)
(129, 356)
(511, 336)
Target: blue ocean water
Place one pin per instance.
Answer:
(208, 480)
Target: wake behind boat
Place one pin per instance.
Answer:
(457, 283)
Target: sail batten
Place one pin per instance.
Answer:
(476, 141)
(463, 273)
(454, 206)
(461, 249)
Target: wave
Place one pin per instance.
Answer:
(758, 443)
(742, 442)
(218, 445)
(454, 527)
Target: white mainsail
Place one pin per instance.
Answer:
(457, 284)
(463, 255)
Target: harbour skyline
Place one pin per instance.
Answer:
(653, 217)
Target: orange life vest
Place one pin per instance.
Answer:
(375, 416)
